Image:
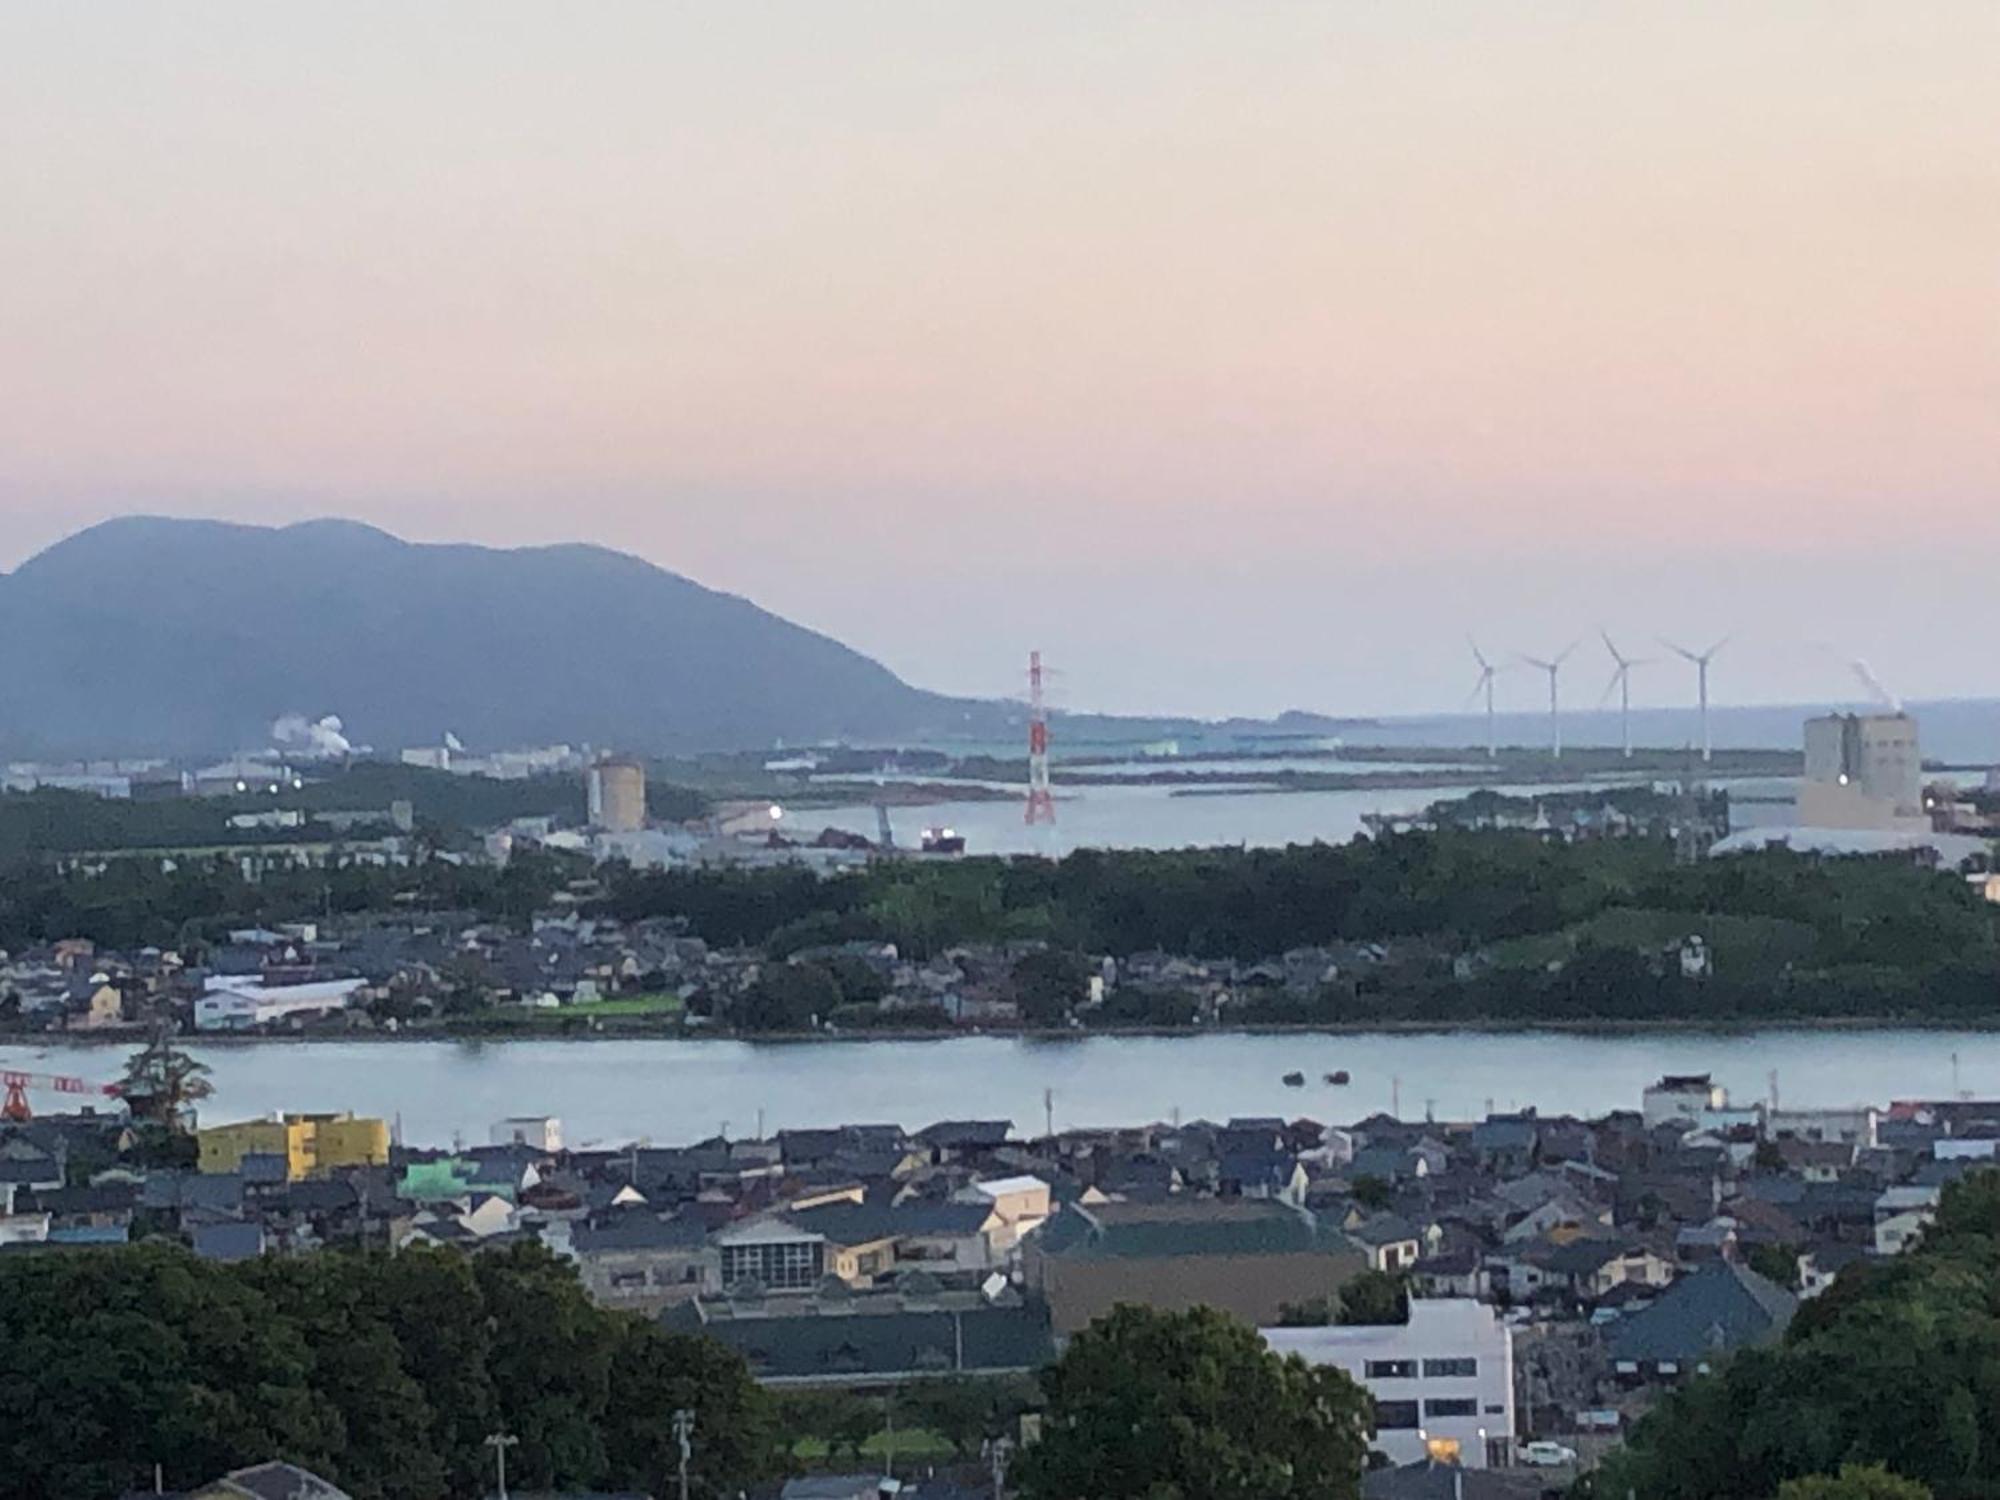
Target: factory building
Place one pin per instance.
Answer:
(309, 1145)
(1863, 771)
(618, 796)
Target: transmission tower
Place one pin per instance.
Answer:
(1041, 805)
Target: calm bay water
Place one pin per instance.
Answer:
(678, 1091)
(1154, 817)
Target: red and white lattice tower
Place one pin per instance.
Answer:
(1041, 806)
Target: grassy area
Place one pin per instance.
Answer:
(1737, 945)
(516, 1018)
(909, 1442)
(623, 1005)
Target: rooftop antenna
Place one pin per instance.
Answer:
(1555, 713)
(1701, 659)
(1621, 679)
(1484, 685)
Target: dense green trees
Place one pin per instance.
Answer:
(1898, 1364)
(788, 997)
(1374, 1298)
(383, 1373)
(1048, 985)
(1583, 932)
(1148, 1405)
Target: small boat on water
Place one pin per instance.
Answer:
(1338, 1078)
(1295, 1080)
(942, 841)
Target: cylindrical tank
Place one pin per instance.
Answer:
(618, 796)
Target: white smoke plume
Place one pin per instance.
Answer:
(317, 739)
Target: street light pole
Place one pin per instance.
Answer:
(500, 1442)
(683, 1431)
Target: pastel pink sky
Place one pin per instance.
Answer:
(1237, 354)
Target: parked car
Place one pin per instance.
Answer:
(1544, 1454)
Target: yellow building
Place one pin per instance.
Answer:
(310, 1144)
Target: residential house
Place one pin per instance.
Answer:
(1391, 1242)
(1704, 1315)
(638, 1261)
(1021, 1205)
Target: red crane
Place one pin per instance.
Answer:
(17, 1085)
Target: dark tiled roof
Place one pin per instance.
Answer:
(862, 1223)
(1384, 1229)
(638, 1230)
(1198, 1227)
(109, 1198)
(1721, 1307)
(229, 1241)
(967, 1133)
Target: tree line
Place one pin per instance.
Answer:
(384, 1374)
(1863, 936)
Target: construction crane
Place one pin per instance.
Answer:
(16, 1110)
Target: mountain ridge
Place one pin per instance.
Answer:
(160, 634)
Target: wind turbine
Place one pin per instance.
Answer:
(1485, 685)
(1701, 659)
(1555, 715)
(1621, 679)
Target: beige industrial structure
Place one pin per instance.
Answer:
(618, 796)
(1863, 771)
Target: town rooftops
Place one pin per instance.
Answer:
(967, 1135)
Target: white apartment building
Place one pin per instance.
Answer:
(1445, 1376)
(1682, 1096)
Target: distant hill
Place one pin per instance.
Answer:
(145, 634)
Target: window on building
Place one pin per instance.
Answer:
(789, 1266)
(1396, 1416)
(1390, 1369)
(1440, 1369)
(1451, 1406)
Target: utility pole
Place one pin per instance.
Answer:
(683, 1431)
(500, 1442)
(1049, 1114)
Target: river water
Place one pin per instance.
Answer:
(678, 1091)
(1157, 817)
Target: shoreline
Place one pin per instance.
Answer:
(1482, 1027)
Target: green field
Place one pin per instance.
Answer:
(1739, 946)
(910, 1442)
(624, 1005)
